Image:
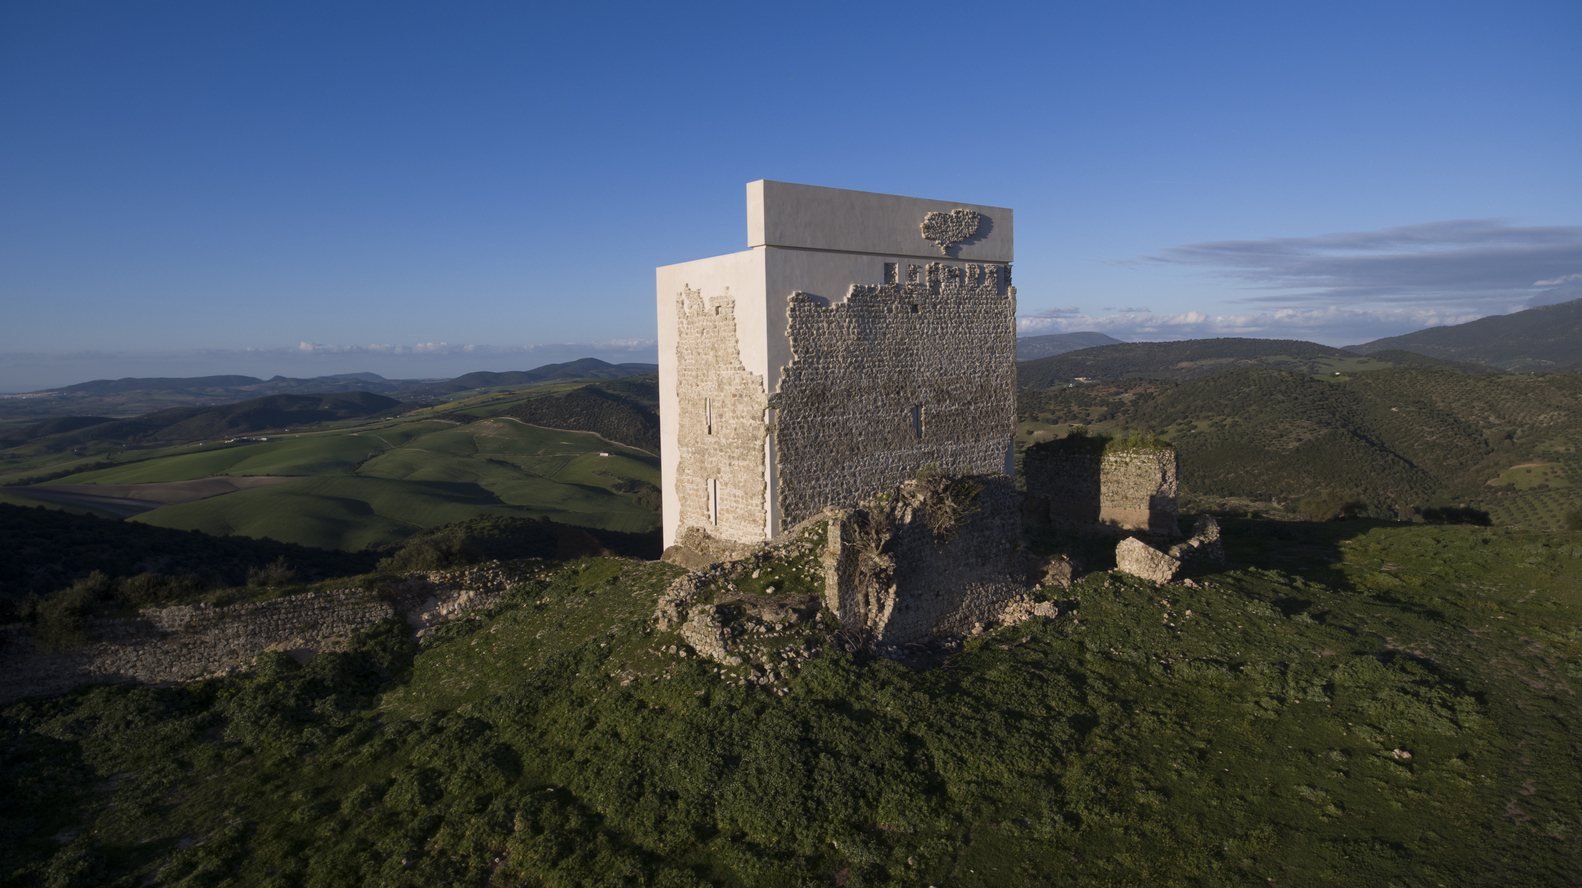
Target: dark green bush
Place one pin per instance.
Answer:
(1456, 515)
(275, 573)
(62, 618)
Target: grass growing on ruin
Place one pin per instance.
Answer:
(1347, 703)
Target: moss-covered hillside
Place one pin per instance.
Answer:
(1349, 703)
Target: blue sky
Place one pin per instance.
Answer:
(205, 188)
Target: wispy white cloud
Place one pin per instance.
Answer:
(1469, 262)
(1333, 325)
(1128, 309)
(1058, 312)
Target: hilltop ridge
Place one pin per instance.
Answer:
(1543, 338)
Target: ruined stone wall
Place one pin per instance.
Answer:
(1130, 489)
(721, 427)
(1068, 479)
(890, 574)
(187, 642)
(1138, 490)
(900, 376)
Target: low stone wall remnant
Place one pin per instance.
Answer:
(188, 642)
(1081, 481)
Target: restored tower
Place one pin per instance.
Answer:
(860, 338)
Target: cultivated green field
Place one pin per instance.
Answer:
(371, 484)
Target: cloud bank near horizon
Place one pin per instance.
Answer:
(1482, 262)
(1331, 325)
(1352, 287)
(21, 372)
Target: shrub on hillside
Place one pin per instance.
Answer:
(1332, 506)
(149, 589)
(62, 618)
(1456, 515)
(276, 573)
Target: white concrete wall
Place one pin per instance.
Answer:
(809, 217)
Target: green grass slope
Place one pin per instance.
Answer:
(1349, 704)
(183, 424)
(373, 486)
(308, 455)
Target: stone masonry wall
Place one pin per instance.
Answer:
(1129, 489)
(900, 376)
(721, 426)
(1138, 490)
(1068, 479)
(183, 643)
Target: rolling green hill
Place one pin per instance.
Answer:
(182, 424)
(1032, 347)
(1399, 438)
(583, 368)
(1187, 359)
(596, 409)
(1541, 338)
(373, 484)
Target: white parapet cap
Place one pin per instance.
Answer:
(811, 217)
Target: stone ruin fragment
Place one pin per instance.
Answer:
(1135, 557)
(1098, 481)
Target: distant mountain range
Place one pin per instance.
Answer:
(219, 422)
(1548, 337)
(584, 368)
(1032, 347)
(133, 396)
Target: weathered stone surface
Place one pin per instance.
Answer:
(705, 631)
(186, 642)
(1022, 608)
(721, 423)
(685, 556)
(1138, 488)
(1128, 489)
(1060, 572)
(1139, 559)
(1204, 546)
(892, 576)
(902, 375)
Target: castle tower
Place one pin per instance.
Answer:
(860, 338)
